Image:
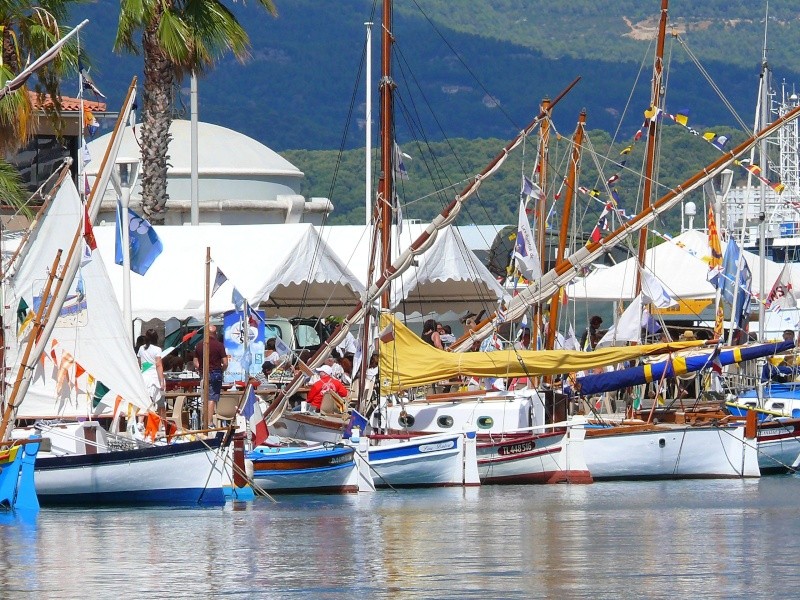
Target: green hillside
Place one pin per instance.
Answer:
(467, 71)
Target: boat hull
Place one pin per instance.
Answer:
(314, 469)
(424, 461)
(552, 457)
(670, 453)
(778, 445)
(178, 474)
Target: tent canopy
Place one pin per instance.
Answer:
(448, 277)
(681, 265)
(286, 269)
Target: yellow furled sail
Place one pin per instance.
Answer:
(407, 361)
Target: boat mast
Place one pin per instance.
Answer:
(386, 182)
(652, 133)
(763, 94)
(572, 176)
(541, 214)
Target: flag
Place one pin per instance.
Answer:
(219, 279)
(736, 274)
(100, 390)
(655, 293)
(237, 300)
(778, 187)
(151, 428)
(281, 347)
(86, 81)
(626, 150)
(252, 412)
(682, 117)
(719, 322)
(145, 246)
(24, 317)
(525, 252)
(529, 188)
(400, 171)
(356, 420)
(86, 156)
(718, 141)
(88, 232)
(781, 296)
(90, 122)
(715, 262)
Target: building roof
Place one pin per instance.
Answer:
(68, 104)
(221, 151)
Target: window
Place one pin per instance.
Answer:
(406, 420)
(485, 422)
(445, 421)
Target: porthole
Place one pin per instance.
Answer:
(485, 422)
(406, 420)
(662, 442)
(445, 421)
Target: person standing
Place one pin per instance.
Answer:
(592, 334)
(149, 355)
(217, 363)
(430, 335)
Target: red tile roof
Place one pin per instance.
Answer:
(67, 104)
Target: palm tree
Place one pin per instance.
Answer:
(178, 37)
(27, 30)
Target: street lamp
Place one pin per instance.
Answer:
(124, 178)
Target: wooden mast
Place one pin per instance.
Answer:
(541, 211)
(386, 182)
(652, 132)
(572, 176)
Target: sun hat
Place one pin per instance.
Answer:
(325, 369)
(688, 335)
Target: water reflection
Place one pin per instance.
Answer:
(721, 539)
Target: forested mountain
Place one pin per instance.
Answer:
(466, 71)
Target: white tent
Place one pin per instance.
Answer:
(680, 264)
(285, 269)
(448, 277)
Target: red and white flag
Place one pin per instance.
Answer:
(782, 296)
(255, 419)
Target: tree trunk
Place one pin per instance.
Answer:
(156, 119)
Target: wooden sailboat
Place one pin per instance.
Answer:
(77, 356)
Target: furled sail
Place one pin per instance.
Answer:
(407, 361)
(678, 365)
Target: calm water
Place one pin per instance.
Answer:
(711, 539)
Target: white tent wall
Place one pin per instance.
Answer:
(295, 270)
(266, 263)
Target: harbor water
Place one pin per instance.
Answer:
(676, 539)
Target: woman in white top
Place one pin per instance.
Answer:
(153, 372)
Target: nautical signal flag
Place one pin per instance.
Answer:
(90, 122)
(682, 117)
(255, 419)
(145, 245)
(219, 279)
(525, 251)
(86, 81)
(718, 141)
(715, 262)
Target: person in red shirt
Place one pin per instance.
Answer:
(325, 383)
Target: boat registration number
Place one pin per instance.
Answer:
(516, 449)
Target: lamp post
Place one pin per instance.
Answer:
(124, 178)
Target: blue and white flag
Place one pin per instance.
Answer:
(400, 171)
(219, 279)
(525, 250)
(736, 273)
(145, 246)
(529, 188)
(237, 300)
(281, 348)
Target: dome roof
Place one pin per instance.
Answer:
(221, 151)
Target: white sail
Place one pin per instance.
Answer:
(89, 343)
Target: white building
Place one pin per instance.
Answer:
(241, 181)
